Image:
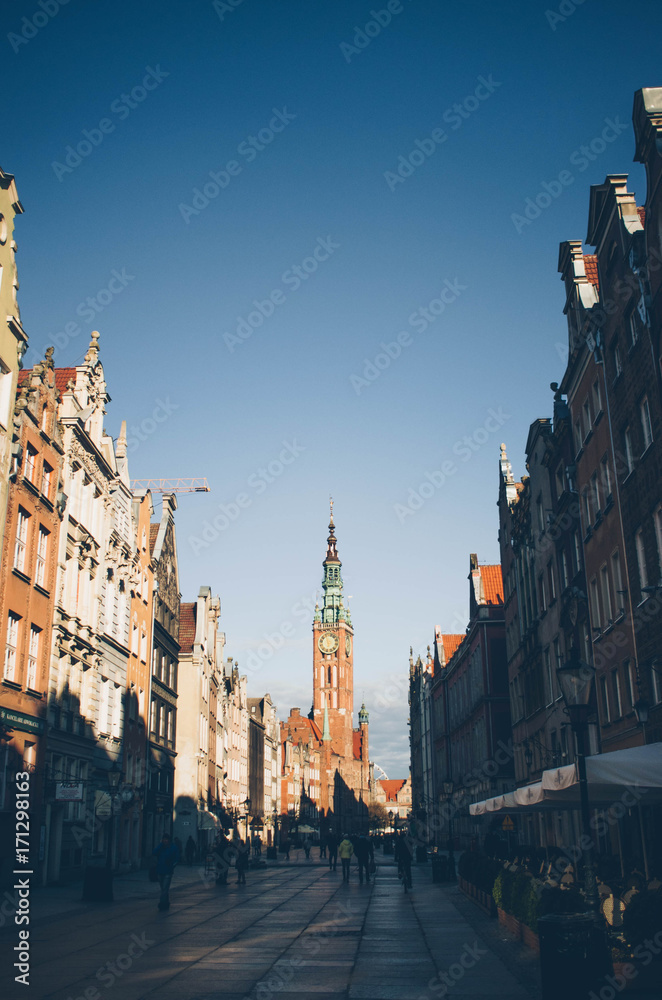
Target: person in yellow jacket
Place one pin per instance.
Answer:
(345, 851)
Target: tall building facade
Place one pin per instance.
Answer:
(28, 576)
(13, 339)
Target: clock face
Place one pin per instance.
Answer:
(348, 646)
(328, 643)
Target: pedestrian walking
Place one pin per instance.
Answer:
(242, 862)
(191, 850)
(258, 846)
(306, 848)
(345, 850)
(286, 844)
(322, 847)
(404, 855)
(167, 856)
(223, 852)
(332, 847)
(365, 852)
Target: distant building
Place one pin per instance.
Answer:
(472, 709)
(421, 740)
(200, 660)
(395, 795)
(162, 741)
(263, 765)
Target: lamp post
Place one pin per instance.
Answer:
(448, 789)
(113, 775)
(576, 680)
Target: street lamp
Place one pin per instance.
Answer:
(576, 680)
(448, 789)
(113, 775)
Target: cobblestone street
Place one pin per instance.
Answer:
(293, 931)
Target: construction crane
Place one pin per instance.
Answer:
(171, 485)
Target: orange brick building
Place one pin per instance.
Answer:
(27, 592)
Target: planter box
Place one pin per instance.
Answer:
(522, 932)
(482, 899)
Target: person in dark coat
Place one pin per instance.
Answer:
(332, 848)
(242, 862)
(364, 852)
(191, 850)
(223, 853)
(167, 856)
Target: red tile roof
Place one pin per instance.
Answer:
(492, 584)
(591, 268)
(642, 215)
(62, 376)
(391, 786)
(187, 614)
(153, 533)
(451, 643)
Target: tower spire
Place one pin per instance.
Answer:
(332, 610)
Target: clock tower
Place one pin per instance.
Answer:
(333, 652)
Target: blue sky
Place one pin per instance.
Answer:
(305, 119)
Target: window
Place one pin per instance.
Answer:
(47, 480)
(586, 417)
(616, 694)
(104, 704)
(629, 450)
(5, 391)
(646, 425)
(641, 558)
(541, 515)
(560, 480)
(30, 460)
(551, 584)
(656, 683)
(588, 509)
(578, 436)
(635, 324)
(630, 681)
(20, 550)
(619, 593)
(11, 646)
(33, 658)
(143, 647)
(42, 550)
(576, 552)
(595, 604)
(605, 700)
(565, 569)
(606, 595)
(152, 717)
(616, 358)
(595, 494)
(549, 685)
(657, 521)
(134, 640)
(606, 479)
(597, 400)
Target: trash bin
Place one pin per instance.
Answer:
(439, 868)
(574, 957)
(421, 855)
(97, 885)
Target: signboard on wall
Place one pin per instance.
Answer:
(69, 791)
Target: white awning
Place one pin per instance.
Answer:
(636, 772)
